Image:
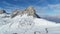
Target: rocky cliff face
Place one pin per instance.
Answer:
(14, 13)
(2, 11)
(30, 11)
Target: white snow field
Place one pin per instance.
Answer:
(27, 25)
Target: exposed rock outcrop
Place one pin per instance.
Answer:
(30, 11)
(14, 13)
(2, 11)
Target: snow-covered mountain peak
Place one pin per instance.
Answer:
(24, 24)
(30, 11)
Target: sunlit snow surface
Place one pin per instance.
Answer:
(27, 25)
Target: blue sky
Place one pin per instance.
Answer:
(43, 7)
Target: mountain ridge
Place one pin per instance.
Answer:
(30, 11)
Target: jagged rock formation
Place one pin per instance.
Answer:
(14, 13)
(2, 11)
(30, 11)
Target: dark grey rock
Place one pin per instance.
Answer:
(2, 11)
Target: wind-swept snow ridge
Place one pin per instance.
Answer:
(25, 25)
(4, 19)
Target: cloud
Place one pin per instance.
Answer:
(10, 7)
(8, 4)
(50, 6)
(50, 9)
(56, 6)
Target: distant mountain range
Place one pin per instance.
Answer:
(53, 19)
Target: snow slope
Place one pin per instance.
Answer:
(27, 25)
